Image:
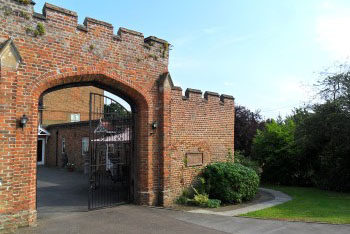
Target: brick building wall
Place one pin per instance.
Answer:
(194, 120)
(72, 133)
(59, 105)
(125, 64)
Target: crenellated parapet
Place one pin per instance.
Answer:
(57, 19)
(197, 96)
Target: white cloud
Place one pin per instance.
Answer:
(333, 33)
(327, 5)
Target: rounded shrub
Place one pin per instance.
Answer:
(230, 182)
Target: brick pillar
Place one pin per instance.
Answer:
(17, 172)
(7, 143)
(165, 85)
(12, 214)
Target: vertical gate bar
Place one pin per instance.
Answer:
(94, 158)
(98, 163)
(90, 153)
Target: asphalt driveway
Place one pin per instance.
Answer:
(60, 191)
(129, 219)
(62, 210)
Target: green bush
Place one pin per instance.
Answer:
(194, 198)
(230, 182)
(182, 200)
(201, 200)
(213, 203)
(247, 162)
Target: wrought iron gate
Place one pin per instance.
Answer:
(109, 152)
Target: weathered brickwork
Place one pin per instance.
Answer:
(59, 105)
(126, 64)
(201, 126)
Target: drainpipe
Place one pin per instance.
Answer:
(57, 148)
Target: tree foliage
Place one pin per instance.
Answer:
(276, 150)
(324, 138)
(312, 146)
(246, 125)
(115, 110)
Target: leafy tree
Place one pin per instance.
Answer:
(115, 110)
(324, 138)
(246, 125)
(335, 86)
(274, 147)
(312, 146)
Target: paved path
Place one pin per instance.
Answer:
(60, 191)
(240, 225)
(62, 210)
(279, 198)
(129, 219)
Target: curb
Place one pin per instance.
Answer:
(279, 198)
(295, 221)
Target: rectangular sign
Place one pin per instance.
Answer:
(194, 159)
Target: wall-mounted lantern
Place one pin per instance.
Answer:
(155, 125)
(23, 121)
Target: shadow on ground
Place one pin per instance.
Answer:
(60, 192)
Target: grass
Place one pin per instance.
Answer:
(310, 205)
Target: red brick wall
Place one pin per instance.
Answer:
(73, 134)
(60, 104)
(198, 125)
(126, 64)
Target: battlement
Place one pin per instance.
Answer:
(57, 18)
(197, 95)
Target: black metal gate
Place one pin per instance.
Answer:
(110, 152)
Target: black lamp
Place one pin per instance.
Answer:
(23, 121)
(155, 125)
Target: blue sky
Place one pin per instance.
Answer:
(265, 53)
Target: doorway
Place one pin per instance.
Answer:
(85, 161)
(41, 152)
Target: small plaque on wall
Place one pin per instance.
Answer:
(194, 159)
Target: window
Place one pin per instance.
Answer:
(74, 117)
(111, 148)
(63, 145)
(84, 145)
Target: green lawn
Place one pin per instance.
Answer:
(309, 204)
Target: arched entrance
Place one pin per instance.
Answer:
(117, 145)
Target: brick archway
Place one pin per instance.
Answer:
(94, 74)
(135, 96)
